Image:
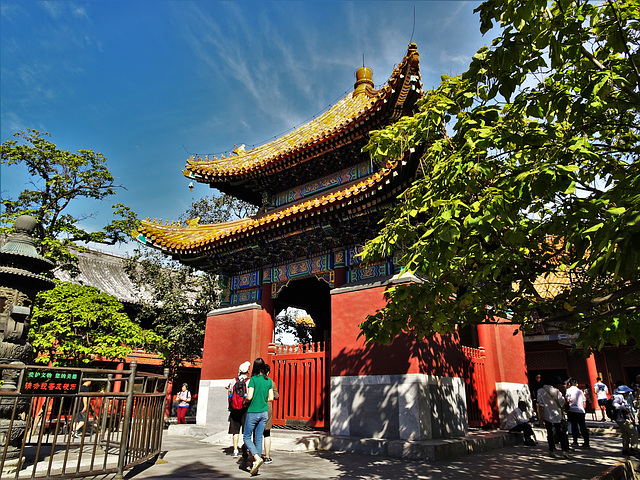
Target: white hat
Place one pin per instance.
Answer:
(244, 368)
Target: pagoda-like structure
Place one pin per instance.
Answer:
(320, 199)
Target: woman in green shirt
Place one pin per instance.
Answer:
(259, 393)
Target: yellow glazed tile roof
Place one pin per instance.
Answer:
(244, 162)
(193, 238)
(347, 111)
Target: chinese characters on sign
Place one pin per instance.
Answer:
(50, 381)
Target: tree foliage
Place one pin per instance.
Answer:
(177, 302)
(73, 324)
(180, 297)
(218, 209)
(295, 323)
(59, 179)
(527, 201)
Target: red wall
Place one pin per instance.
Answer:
(437, 355)
(233, 338)
(505, 352)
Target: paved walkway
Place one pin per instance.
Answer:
(188, 457)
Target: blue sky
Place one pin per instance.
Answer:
(149, 82)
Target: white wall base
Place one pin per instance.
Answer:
(509, 394)
(213, 404)
(410, 407)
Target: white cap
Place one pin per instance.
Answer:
(244, 368)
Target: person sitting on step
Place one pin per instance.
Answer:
(518, 421)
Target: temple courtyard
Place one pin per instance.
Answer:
(190, 452)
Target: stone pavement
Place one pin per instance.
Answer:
(187, 457)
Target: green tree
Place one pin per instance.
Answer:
(218, 209)
(295, 322)
(180, 297)
(526, 205)
(59, 179)
(72, 324)
(177, 300)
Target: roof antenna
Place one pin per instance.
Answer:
(414, 24)
(363, 59)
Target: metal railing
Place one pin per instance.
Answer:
(123, 425)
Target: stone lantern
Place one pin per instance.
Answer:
(20, 281)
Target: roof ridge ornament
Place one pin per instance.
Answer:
(363, 78)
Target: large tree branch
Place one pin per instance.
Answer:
(624, 41)
(628, 90)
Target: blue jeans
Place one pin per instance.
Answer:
(255, 422)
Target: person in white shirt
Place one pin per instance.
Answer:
(518, 421)
(576, 414)
(602, 393)
(552, 400)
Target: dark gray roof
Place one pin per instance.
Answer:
(104, 271)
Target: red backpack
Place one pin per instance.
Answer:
(238, 394)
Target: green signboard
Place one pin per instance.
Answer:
(46, 382)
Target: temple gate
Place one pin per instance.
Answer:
(321, 198)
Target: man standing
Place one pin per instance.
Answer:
(537, 411)
(577, 413)
(518, 421)
(602, 392)
(624, 419)
(551, 399)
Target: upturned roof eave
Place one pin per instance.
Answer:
(174, 239)
(374, 101)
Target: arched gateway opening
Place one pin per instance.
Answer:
(311, 296)
(301, 371)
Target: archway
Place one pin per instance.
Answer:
(313, 296)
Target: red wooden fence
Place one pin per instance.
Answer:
(300, 372)
(476, 386)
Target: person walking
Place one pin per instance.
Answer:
(602, 393)
(267, 428)
(624, 418)
(551, 399)
(238, 412)
(184, 399)
(82, 408)
(259, 394)
(577, 413)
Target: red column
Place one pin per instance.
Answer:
(116, 385)
(167, 403)
(593, 375)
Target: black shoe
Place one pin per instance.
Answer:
(267, 461)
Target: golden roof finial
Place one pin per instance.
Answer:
(363, 78)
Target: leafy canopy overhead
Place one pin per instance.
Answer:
(72, 324)
(527, 201)
(59, 179)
